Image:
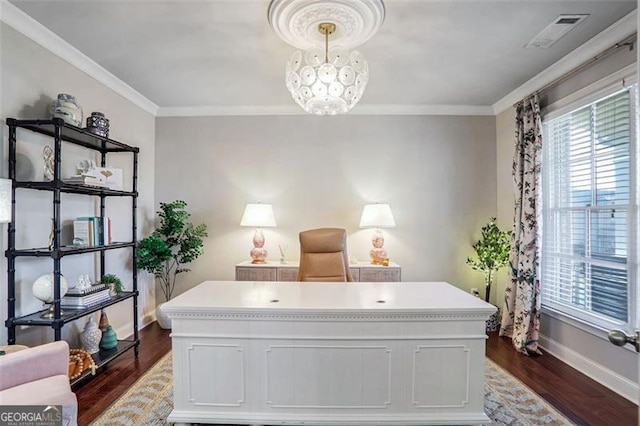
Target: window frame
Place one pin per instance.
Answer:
(590, 322)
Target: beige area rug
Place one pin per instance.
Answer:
(507, 401)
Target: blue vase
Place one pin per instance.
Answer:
(109, 339)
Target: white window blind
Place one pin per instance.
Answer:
(587, 249)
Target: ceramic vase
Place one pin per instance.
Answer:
(163, 320)
(90, 337)
(109, 339)
(104, 321)
(67, 108)
(98, 124)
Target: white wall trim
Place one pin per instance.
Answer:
(617, 383)
(596, 45)
(293, 109)
(29, 27)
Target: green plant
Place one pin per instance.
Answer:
(492, 251)
(175, 243)
(113, 279)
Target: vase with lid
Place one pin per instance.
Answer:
(98, 124)
(90, 336)
(109, 339)
(66, 107)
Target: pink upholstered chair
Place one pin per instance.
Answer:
(39, 376)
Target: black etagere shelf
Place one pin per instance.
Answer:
(63, 133)
(104, 357)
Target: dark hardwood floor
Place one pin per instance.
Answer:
(97, 393)
(582, 400)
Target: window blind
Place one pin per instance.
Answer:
(586, 206)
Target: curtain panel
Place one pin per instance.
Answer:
(521, 309)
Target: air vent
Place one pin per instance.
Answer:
(555, 30)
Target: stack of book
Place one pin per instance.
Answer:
(92, 231)
(96, 180)
(80, 299)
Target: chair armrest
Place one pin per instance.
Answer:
(33, 364)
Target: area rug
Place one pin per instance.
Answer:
(507, 401)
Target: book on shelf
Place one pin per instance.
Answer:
(92, 231)
(83, 232)
(76, 291)
(79, 301)
(86, 180)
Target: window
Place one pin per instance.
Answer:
(588, 252)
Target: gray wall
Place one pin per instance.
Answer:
(593, 347)
(30, 77)
(436, 172)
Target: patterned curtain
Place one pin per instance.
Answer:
(521, 310)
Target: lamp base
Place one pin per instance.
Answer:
(379, 257)
(258, 255)
(378, 254)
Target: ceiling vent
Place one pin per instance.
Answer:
(555, 30)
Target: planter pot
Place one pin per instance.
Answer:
(493, 323)
(162, 318)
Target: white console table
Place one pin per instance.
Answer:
(274, 271)
(275, 353)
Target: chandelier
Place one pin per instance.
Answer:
(326, 80)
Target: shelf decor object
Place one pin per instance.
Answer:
(66, 107)
(258, 216)
(377, 216)
(5, 200)
(326, 80)
(90, 336)
(98, 124)
(43, 289)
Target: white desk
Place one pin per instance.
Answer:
(275, 271)
(328, 354)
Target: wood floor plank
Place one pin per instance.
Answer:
(98, 393)
(581, 399)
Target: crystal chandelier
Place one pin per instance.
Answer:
(326, 80)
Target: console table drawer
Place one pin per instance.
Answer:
(287, 274)
(379, 275)
(256, 274)
(365, 272)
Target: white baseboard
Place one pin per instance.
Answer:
(612, 380)
(125, 330)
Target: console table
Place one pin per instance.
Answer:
(273, 271)
(275, 353)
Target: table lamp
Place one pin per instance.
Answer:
(5, 200)
(377, 216)
(258, 216)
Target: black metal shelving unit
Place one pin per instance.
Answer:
(61, 133)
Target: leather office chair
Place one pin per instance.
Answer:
(323, 256)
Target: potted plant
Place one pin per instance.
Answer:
(173, 244)
(492, 253)
(114, 283)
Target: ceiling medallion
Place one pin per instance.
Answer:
(323, 80)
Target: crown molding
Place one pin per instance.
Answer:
(29, 27)
(293, 109)
(593, 47)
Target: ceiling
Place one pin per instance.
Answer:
(223, 53)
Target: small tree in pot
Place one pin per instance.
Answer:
(175, 243)
(492, 252)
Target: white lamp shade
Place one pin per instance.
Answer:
(377, 216)
(5, 200)
(258, 216)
